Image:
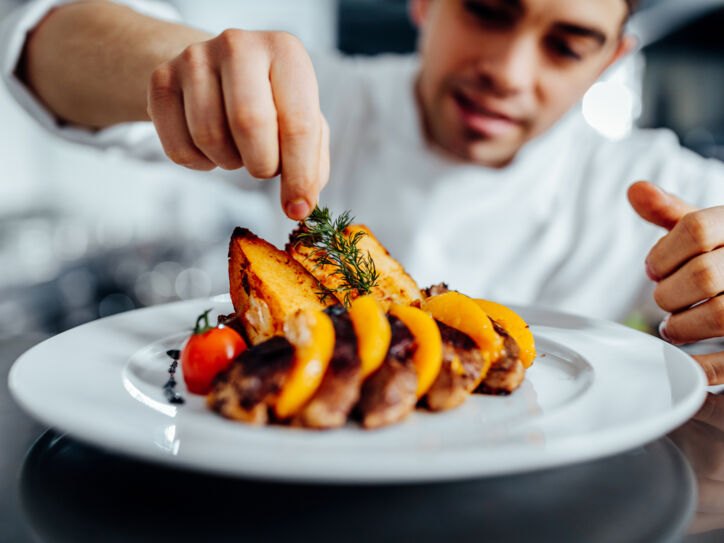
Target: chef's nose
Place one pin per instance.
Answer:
(511, 67)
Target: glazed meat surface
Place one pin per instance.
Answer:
(340, 387)
(247, 389)
(389, 394)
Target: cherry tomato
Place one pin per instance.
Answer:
(208, 351)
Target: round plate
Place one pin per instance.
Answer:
(596, 388)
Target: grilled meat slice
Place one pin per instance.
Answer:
(508, 372)
(462, 363)
(250, 386)
(434, 290)
(340, 388)
(389, 394)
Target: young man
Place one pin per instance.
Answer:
(468, 160)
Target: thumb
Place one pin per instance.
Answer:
(657, 206)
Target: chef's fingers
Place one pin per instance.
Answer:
(713, 366)
(699, 279)
(204, 110)
(165, 107)
(657, 206)
(712, 412)
(300, 125)
(250, 109)
(324, 155)
(703, 321)
(696, 233)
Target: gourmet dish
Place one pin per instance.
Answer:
(333, 329)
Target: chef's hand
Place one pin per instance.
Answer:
(245, 99)
(688, 267)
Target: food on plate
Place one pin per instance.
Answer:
(339, 331)
(267, 285)
(209, 350)
(339, 390)
(372, 330)
(513, 325)
(390, 393)
(348, 261)
(508, 371)
(249, 388)
(311, 333)
(427, 358)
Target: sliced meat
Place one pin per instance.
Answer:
(462, 363)
(390, 393)
(233, 321)
(434, 290)
(508, 372)
(247, 389)
(340, 388)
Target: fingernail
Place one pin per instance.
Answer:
(297, 209)
(662, 329)
(650, 272)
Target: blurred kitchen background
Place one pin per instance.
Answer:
(85, 234)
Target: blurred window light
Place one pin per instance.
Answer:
(610, 107)
(193, 283)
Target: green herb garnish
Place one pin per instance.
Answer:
(332, 247)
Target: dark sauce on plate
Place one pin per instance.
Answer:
(169, 389)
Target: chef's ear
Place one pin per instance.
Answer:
(418, 10)
(626, 44)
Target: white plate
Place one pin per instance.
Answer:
(596, 388)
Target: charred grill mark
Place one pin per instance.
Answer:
(254, 379)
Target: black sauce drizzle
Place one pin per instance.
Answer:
(169, 389)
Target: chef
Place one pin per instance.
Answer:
(470, 159)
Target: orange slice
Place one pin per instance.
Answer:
(515, 326)
(428, 355)
(372, 330)
(312, 334)
(462, 313)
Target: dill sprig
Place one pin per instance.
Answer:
(332, 247)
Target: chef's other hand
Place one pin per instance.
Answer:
(688, 267)
(245, 99)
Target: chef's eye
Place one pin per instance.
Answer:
(559, 47)
(490, 15)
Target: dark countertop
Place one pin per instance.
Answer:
(55, 488)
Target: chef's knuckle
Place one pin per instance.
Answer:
(182, 155)
(263, 168)
(697, 228)
(298, 125)
(210, 136)
(661, 298)
(232, 41)
(247, 121)
(284, 41)
(705, 278)
(195, 57)
(162, 82)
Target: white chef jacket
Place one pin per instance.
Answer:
(553, 229)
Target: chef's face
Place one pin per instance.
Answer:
(497, 73)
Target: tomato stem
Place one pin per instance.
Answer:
(198, 329)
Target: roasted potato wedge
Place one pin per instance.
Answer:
(395, 285)
(267, 285)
